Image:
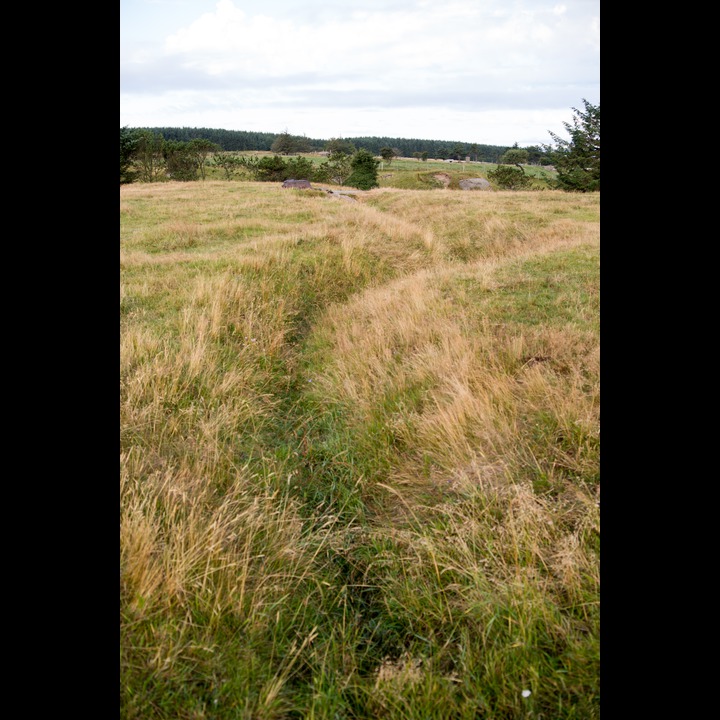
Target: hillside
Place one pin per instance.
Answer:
(359, 469)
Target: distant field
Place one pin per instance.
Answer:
(411, 174)
(471, 169)
(359, 452)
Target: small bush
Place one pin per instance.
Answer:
(299, 167)
(272, 168)
(364, 174)
(509, 178)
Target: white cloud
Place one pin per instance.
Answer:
(480, 58)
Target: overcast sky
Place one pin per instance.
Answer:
(492, 72)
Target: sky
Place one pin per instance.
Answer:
(492, 72)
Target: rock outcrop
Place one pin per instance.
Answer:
(290, 183)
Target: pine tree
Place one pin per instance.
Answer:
(577, 160)
(364, 174)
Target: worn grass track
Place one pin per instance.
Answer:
(359, 453)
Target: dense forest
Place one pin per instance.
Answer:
(239, 140)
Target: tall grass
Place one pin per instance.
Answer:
(359, 464)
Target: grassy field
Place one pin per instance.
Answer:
(359, 470)
(411, 174)
(418, 175)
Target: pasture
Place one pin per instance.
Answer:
(359, 452)
(412, 174)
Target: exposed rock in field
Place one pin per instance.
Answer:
(336, 195)
(443, 178)
(475, 184)
(340, 194)
(296, 184)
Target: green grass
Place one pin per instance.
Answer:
(359, 454)
(406, 174)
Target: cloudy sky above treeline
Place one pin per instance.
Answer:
(493, 72)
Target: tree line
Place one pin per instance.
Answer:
(242, 140)
(229, 140)
(150, 154)
(147, 156)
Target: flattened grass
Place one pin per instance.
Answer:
(359, 453)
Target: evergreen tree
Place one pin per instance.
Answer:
(229, 162)
(458, 152)
(300, 168)
(128, 143)
(535, 155)
(284, 144)
(338, 146)
(180, 161)
(364, 175)
(337, 169)
(577, 160)
(149, 156)
(271, 168)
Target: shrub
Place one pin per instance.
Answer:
(271, 168)
(509, 178)
(300, 167)
(364, 175)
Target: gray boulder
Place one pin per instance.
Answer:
(475, 184)
(296, 184)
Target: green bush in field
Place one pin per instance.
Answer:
(187, 160)
(364, 174)
(337, 169)
(230, 163)
(271, 168)
(299, 168)
(509, 178)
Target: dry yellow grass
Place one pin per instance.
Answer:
(431, 357)
(414, 333)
